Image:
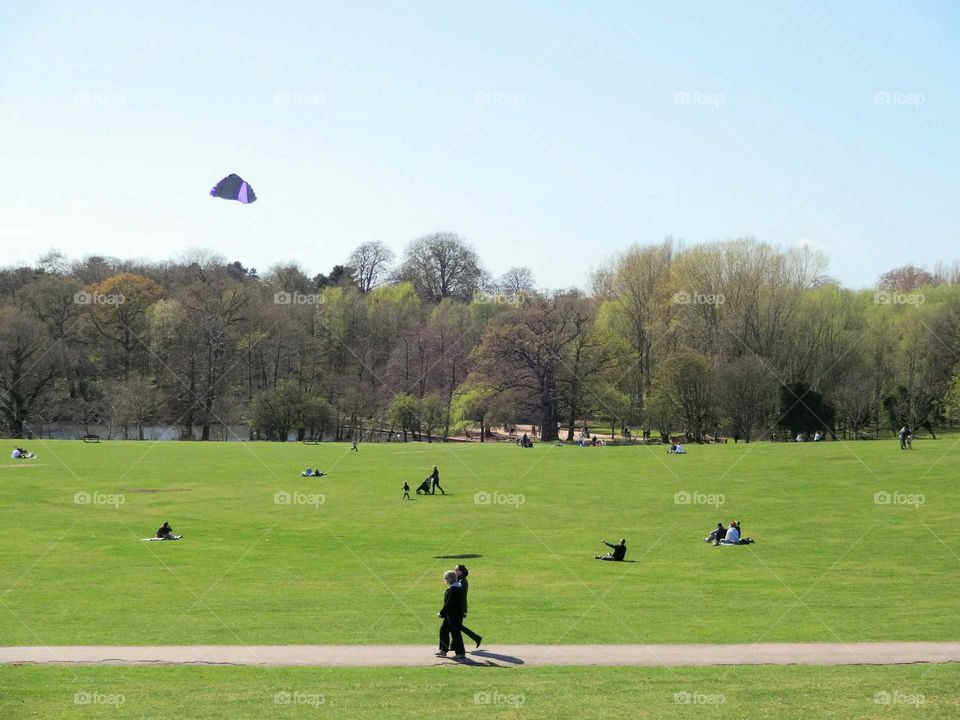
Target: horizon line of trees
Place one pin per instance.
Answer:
(733, 338)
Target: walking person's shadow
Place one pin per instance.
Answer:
(490, 659)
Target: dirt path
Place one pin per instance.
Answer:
(883, 653)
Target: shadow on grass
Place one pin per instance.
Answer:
(488, 659)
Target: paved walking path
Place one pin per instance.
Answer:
(882, 653)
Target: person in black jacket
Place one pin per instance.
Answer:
(462, 572)
(435, 478)
(452, 614)
(619, 551)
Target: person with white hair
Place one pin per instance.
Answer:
(452, 612)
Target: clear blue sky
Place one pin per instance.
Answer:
(547, 134)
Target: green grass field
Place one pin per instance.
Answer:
(199, 693)
(830, 563)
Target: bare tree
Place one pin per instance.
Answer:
(371, 265)
(441, 266)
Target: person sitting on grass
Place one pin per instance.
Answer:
(166, 532)
(677, 449)
(734, 537)
(21, 454)
(717, 534)
(312, 473)
(619, 551)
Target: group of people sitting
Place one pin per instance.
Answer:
(676, 449)
(732, 535)
(525, 441)
(21, 454)
(315, 472)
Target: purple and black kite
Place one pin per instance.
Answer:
(234, 187)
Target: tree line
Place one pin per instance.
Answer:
(726, 338)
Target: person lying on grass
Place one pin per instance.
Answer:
(165, 532)
(618, 554)
(21, 454)
(312, 473)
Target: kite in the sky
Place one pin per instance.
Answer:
(234, 187)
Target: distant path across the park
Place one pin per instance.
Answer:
(872, 653)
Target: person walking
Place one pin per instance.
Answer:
(452, 614)
(462, 572)
(406, 491)
(435, 479)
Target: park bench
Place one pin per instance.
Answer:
(311, 440)
(91, 438)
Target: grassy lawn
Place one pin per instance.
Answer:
(361, 566)
(172, 693)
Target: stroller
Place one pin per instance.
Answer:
(424, 487)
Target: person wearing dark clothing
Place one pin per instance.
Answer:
(619, 551)
(462, 572)
(406, 491)
(717, 534)
(435, 478)
(452, 614)
(165, 532)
